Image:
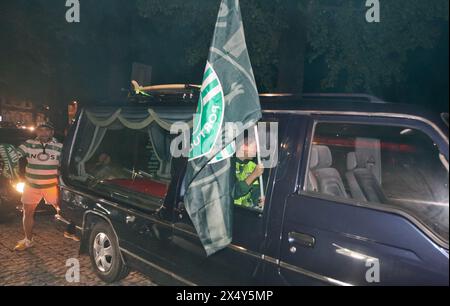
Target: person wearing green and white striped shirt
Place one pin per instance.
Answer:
(41, 174)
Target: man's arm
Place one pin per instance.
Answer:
(245, 186)
(22, 162)
(259, 170)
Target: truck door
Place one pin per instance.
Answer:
(240, 263)
(371, 206)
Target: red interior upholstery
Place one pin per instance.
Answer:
(146, 186)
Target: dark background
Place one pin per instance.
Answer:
(294, 45)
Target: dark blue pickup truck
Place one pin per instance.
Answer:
(359, 196)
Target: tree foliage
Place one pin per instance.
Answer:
(47, 59)
(358, 55)
(44, 56)
(193, 21)
(371, 55)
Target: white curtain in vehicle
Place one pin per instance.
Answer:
(135, 121)
(160, 139)
(158, 125)
(97, 138)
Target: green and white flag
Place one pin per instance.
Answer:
(10, 159)
(228, 95)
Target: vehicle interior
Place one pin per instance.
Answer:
(392, 166)
(127, 157)
(124, 154)
(247, 220)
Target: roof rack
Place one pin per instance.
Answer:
(162, 93)
(161, 90)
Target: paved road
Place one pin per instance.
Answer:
(45, 263)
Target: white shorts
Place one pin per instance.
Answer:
(32, 196)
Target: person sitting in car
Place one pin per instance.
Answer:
(247, 192)
(106, 169)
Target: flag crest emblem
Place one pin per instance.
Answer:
(209, 117)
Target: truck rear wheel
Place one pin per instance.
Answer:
(105, 254)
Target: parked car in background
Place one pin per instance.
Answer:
(359, 196)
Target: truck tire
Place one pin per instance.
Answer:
(105, 254)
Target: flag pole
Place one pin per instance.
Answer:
(258, 156)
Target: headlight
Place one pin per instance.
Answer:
(19, 187)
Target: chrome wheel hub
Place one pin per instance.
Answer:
(103, 253)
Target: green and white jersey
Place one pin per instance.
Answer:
(43, 162)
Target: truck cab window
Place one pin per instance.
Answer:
(396, 167)
(248, 193)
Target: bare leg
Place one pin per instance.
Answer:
(51, 196)
(28, 220)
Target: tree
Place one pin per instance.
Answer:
(190, 23)
(359, 56)
(46, 59)
(369, 56)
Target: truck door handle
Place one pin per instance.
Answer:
(301, 239)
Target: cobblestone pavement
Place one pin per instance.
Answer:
(45, 263)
